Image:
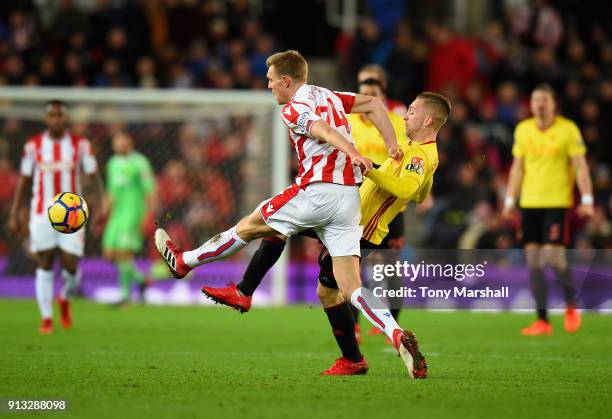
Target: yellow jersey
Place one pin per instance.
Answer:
(548, 179)
(368, 140)
(386, 191)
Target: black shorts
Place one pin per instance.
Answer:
(546, 225)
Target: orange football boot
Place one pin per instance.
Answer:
(537, 328)
(46, 328)
(572, 320)
(343, 366)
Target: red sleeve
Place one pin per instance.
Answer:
(348, 100)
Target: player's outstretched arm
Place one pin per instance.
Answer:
(321, 130)
(23, 184)
(403, 187)
(377, 112)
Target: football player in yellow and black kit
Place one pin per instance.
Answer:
(548, 154)
(384, 194)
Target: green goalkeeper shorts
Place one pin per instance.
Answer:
(119, 235)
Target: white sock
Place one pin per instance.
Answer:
(44, 292)
(221, 246)
(71, 283)
(380, 316)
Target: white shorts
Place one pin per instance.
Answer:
(44, 237)
(333, 211)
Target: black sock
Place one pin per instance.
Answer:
(355, 312)
(395, 312)
(564, 276)
(343, 327)
(263, 259)
(539, 289)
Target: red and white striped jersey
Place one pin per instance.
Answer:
(319, 161)
(55, 166)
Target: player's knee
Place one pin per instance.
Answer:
(44, 260)
(253, 227)
(555, 257)
(70, 263)
(328, 296)
(534, 257)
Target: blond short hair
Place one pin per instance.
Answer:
(439, 105)
(381, 74)
(289, 63)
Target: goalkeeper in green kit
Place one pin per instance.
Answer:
(130, 195)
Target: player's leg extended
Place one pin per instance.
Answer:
(342, 323)
(346, 271)
(219, 247)
(556, 256)
(239, 296)
(44, 288)
(72, 278)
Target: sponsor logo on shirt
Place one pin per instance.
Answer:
(56, 166)
(303, 122)
(416, 165)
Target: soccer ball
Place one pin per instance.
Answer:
(67, 212)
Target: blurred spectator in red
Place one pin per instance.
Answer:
(174, 185)
(452, 59)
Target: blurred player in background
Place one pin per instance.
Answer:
(130, 197)
(383, 196)
(325, 195)
(548, 152)
(376, 72)
(53, 162)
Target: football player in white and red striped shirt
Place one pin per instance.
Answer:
(324, 197)
(53, 162)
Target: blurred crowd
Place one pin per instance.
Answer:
(146, 43)
(488, 75)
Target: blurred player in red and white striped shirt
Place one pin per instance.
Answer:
(324, 197)
(53, 162)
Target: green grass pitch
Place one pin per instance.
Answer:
(202, 362)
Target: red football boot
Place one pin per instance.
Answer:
(538, 328)
(172, 254)
(66, 312)
(572, 320)
(406, 344)
(343, 366)
(229, 296)
(46, 327)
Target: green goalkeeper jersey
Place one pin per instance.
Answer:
(129, 181)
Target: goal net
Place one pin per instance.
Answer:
(216, 155)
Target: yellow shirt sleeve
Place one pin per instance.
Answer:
(575, 146)
(408, 182)
(518, 150)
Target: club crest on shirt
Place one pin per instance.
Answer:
(416, 165)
